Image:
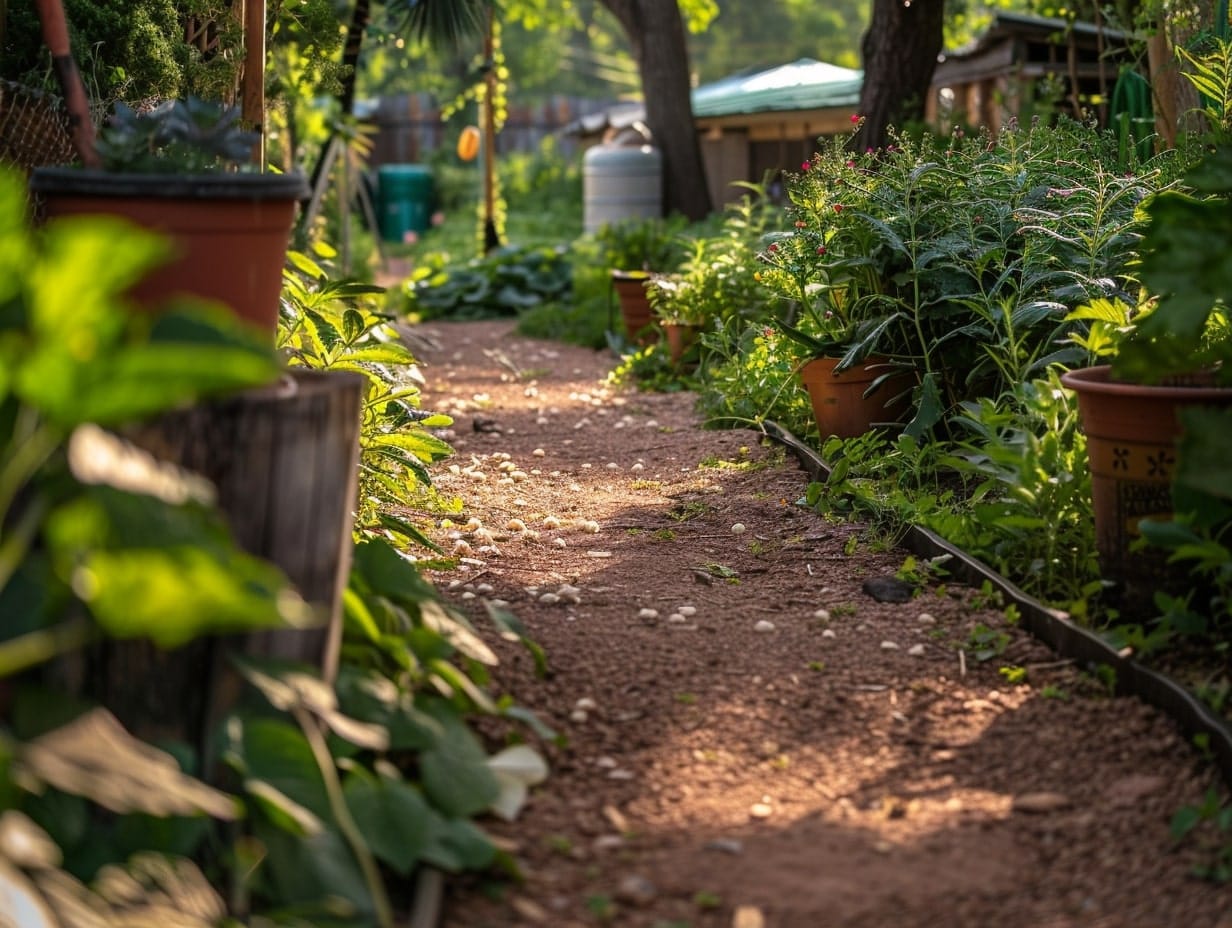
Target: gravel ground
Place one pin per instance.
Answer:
(751, 738)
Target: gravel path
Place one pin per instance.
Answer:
(752, 739)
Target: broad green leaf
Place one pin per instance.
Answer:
(455, 769)
(277, 753)
(393, 818)
(318, 871)
(457, 844)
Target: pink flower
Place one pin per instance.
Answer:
(838, 207)
(851, 164)
(773, 246)
(805, 166)
(821, 249)
(855, 118)
(800, 223)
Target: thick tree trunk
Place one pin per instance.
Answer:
(900, 52)
(656, 35)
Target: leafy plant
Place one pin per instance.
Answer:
(1214, 815)
(503, 283)
(189, 136)
(336, 324)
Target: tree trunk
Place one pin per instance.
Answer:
(656, 36)
(900, 52)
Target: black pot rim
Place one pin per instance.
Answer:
(90, 182)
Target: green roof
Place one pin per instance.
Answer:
(802, 85)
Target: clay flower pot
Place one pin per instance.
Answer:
(839, 402)
(635, 305)
(230, 231)
(680, 338)
(1132, 431)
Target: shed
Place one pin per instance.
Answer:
(767, 120)
(1008, 67)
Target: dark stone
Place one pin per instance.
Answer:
(889, 589)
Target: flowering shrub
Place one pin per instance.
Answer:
(959, 258)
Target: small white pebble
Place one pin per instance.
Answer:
(829, 633)
(889, 646)
(549, 599)
(607, 763)
(586, 703)
(518, 475)
(551, 522)
(578, 715)
(462, 547)
(560, 542)
(538, 453)
(687, 611)
(489, 549)
(612, 465)
(454, 584)
(638, 467)
(505, 481)
(764, 626)
(652, 423)
(569, 594)
(676, 618)
(590, 526)
(916, 650)
(587, 466)
(468, 595)
(925, 618)
(515, 525)
(519, 502)
(648, 613)
(472, 525)
(499, 603)
(738, 528)
(581, 424)
(484, 588)
(542, 420)
(822, 615)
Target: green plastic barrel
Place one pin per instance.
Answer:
(407, 194)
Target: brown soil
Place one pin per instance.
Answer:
(755, 760)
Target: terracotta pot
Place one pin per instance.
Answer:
(1132, 431)
(635, 305)
(230, 231)
(680, 338)
(839, 403)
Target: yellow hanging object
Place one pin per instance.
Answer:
(468, 143)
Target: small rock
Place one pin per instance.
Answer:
(1132, 789)
(738, 528)
(608, 843)
(529, 910)
(637, 890)
(538, 453)
(829, 633)
(549, 599)
(733, 846)
(560, 542)
(889, 646)
(676, 618)
(586, 703)
(748, 916)
(760, 810)
(607, 763)
(687, 611)
(1039, 803)
(617, 818)
(648, 613)
(822, 615)
(578, 715)
(764, 626)
(916, 650)
(619, 774)
(926, 618)
(888, 589)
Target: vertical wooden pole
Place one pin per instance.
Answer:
(490, 239)
(252, 81)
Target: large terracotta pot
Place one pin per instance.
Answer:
(680, 339)
(230, 231)
(1132, 432)
(839, 403)
(635, 309)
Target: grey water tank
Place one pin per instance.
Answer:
(621, 182)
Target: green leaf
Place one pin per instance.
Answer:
(393, 818)
(319, 870)
(276, 752)
(455, 769)
(455, 845)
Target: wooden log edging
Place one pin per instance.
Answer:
(1054, 627)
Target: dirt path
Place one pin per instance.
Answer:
(772, 746)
